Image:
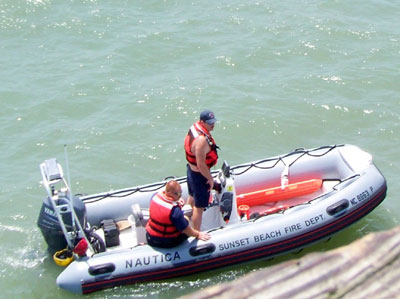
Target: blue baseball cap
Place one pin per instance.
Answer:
(208, 117)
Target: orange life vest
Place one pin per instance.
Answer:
(196, 130)
(160, 224)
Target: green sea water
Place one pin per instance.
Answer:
(120, 82)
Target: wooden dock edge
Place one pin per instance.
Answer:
(367, 268)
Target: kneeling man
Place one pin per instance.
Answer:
(167, 226)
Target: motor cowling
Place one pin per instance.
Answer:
(50, 226)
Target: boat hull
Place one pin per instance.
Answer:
(356, 188)
(262, 252)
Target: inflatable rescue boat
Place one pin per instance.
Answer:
(263, 208)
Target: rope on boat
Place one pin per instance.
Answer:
(158, 186)
(127, 192)
(280, 159)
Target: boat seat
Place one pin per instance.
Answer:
(138, 215)
(140, 221)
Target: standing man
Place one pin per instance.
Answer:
(201, 154)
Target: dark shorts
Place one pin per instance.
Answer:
(165, 242)
(198, 188)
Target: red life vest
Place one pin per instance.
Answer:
(160, 224)
(196, 130)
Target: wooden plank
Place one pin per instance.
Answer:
(123, 224)
(367, 268)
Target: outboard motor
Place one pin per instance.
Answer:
(223, 208)
(228, 206)
(62, 217)
(50, 226)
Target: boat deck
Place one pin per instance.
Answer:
(131, 236)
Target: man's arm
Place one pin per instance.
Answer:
(182, 224)
(189, 231)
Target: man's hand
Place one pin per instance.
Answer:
(181, 202)
(210, 182)
(203, 236)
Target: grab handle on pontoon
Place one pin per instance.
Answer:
(337, 208)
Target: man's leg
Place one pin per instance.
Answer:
(197, 217)
(190, 201)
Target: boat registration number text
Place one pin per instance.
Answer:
(361, 197)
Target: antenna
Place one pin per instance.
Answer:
(70, 189)
(67, 164)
